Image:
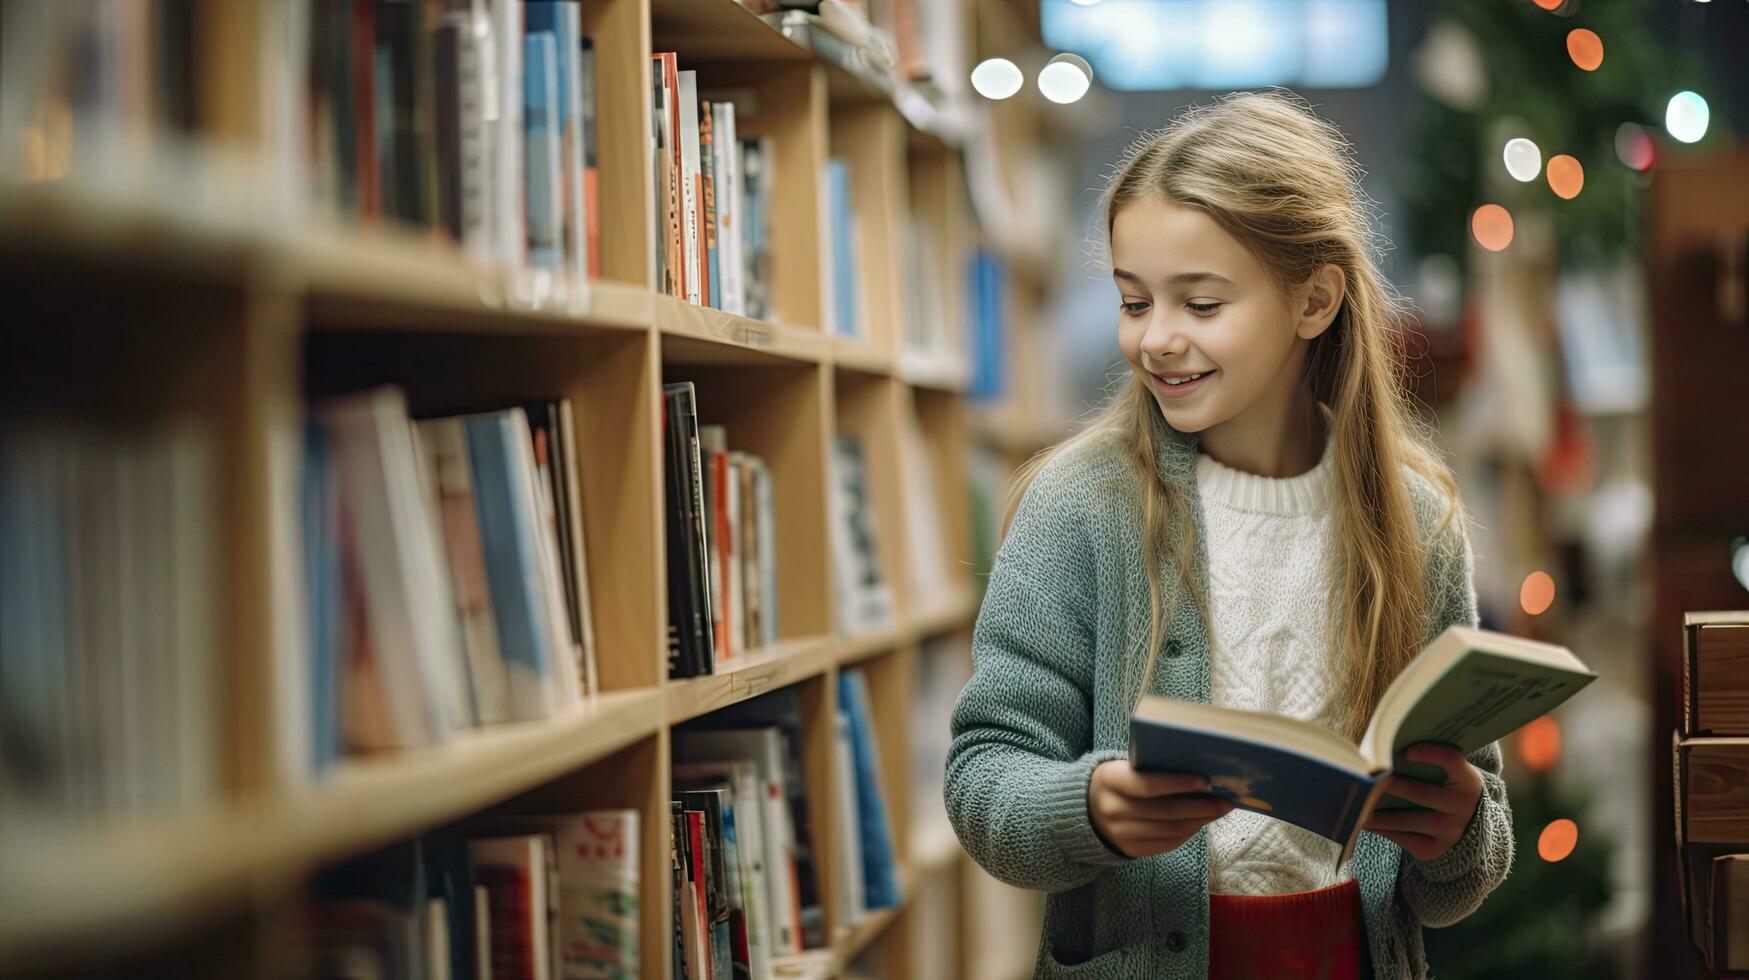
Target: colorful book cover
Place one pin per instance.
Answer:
(879, 866)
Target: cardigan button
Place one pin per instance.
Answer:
(1175, 941)
(1174, 649)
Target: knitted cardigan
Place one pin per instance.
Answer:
(1057, 653)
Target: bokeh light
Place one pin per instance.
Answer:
(1550, 4)
(1566, 176)
(1539, 744)
(1686, 116)
(997, 78)
(1537, 593)
(1585, 48)
(1634, 146)
(1523, 159)
(1557, 840)
(1492, 226)
(1065, 79)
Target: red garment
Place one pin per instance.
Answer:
(1307, 934)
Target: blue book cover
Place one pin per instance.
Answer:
(987, 279)
(843, 248)
(497, 443)
(879, 875)
(540, 151)
(322, 594)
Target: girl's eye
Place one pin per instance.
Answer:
(1135, 309)
(1204, 308)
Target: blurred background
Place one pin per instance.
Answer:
(189, 231)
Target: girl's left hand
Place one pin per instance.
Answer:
(1426, 834)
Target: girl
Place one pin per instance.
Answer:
(1256, 509)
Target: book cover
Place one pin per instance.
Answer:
(851, 888)
(1715, 673)
(1468, 688)
(879, 864)
(598, 894)
(728, 943)
(691, 190)
(744, 826)
(564, 21)
(728, 184)
(591, 154)
(701, 954)
(713, 446)
(694, 569)
(677, 536)
(841, 225)
(707, 163)
(541, 191)
(514, 873)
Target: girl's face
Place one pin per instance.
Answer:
(1202, 324)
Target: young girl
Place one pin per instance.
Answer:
(1254, 521)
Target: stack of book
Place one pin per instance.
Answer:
(526, 897)
(474, 119)
(743, 880)
(722, 542)
(864, 599)
(712, 196)
(444, 571)
(1712, 787)
(111, 576)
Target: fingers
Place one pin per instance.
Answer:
(1411, 821)
(1416, 791)
(1435, 754)
(1123, 779)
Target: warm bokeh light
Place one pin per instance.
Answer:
(1566, 176)
(1634, 146)
(1492, 226)
(1550, 4)
(1537, 594)
(1539, 744)
(1585, 48)
(997, 78)
(1557, 840)
(1524, 160)
(1686, 116)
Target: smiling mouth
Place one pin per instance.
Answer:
(1174, 382)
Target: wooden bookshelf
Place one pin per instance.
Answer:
(221, 306)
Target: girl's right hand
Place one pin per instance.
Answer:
(1144, 813)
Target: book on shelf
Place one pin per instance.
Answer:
(757, 157)
(1711, 777)
(1727, 935)
(708, 236)
(880, 881)
(1466, 689)
(112, 585)
(665, 79)
(691, 189)
(986, 279)
(542, 137)
(842, 231)
(851, 892)
(1715, 673)
(595, 897)
(693, 897)
(864, 599)
(444, 583)
(574, 62)
(519, 875)
(744, 832)
(692, 641)
(763, 756)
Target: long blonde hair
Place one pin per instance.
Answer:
(1280, 180)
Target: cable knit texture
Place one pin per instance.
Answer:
(1057, 653)
(1268, 544)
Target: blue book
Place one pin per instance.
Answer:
(1468, 688)
(563, 20)
(322, 593)
(880, 879)
(541, 136)
(987, 279)
(843, 248)
(504, 503)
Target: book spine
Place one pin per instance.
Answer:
(703, 636)
(707, 155)
(591, 152)
(678, 534)
(691, 193)
(541, 139)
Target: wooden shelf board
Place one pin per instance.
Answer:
(701, 335)
(934, 371)
(132, 883)
(815, 964)
(853, 941)
(863, 356)
(748, 677)
(713, 30)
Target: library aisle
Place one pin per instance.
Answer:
(504, 488)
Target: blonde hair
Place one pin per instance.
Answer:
(1280, 181)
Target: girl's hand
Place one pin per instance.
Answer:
(1426, 834)
(1142, 814)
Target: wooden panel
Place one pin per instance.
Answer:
(819, 707)
(1715, 788)
(1718, 679)
(621, 30)
(942, 418)
(718, 29)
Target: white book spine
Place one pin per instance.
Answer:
(690, 174)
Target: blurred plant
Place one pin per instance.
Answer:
(1492, 70)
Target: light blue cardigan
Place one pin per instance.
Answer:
(1057, 654)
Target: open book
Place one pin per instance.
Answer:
(1466, 689)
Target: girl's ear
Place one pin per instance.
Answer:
(1318, 301)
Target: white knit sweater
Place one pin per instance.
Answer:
(1268, 553)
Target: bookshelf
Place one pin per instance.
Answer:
(126, 303)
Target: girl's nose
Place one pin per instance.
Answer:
(1163, 340)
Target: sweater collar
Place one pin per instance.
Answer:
(1174, 451)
